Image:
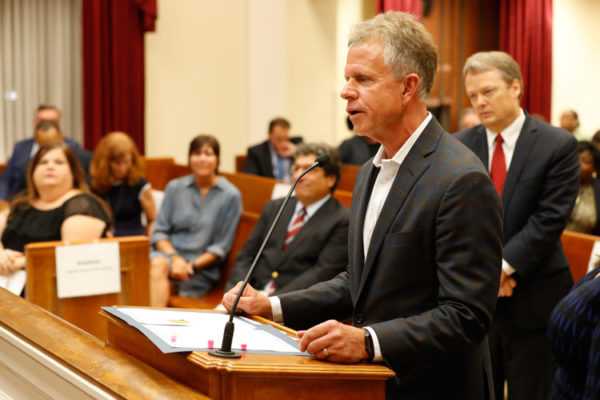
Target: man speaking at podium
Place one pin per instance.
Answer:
(425, 235)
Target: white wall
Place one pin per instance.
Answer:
(576, 61)
(196, 78)
(227, 68)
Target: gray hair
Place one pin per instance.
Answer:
(408, 47)
(333, 167)
(488, 60)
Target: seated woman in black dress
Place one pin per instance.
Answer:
(117, 175)
(574, 335)
(55, 206)
(585, 217)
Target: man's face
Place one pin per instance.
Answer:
(568, 121)
(49, 114)
(314, 185)
(373, 96)
(280, 139)
(47, 136)
(495, 102)
(469, 120)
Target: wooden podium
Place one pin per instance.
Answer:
(254, 376)
(41, 288)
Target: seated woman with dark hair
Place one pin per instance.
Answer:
(55, 206)
(117, 175)
(194, 228)
(585, 216)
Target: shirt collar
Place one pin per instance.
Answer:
(190, 181)
(313, 208)
(510, 134)
(403, 151)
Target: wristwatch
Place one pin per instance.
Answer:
(369, 344)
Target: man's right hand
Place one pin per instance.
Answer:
(251, 302)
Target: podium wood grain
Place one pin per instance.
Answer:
(254, 376)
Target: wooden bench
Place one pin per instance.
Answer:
(41, 286)
(578, 249)
(213, 298)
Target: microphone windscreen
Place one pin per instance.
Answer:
(322, 159)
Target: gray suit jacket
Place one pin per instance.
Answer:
(539, 193)
(318, 252)
(429, 283)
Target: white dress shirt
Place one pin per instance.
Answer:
(510, 135)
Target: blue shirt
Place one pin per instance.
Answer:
(196, 225)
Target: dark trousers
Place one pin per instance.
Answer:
(521, 357)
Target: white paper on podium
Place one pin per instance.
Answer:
(176, 330)
(88, 269)
(14, 282)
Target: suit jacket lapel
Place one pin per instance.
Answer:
(524, 144)
(480, 146)
(410, 171)
(280, 231)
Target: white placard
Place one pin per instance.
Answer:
(88, 269)
(280, 190)
(14, 282)
(595, 256)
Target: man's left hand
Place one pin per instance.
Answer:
(507, 284)
(344, 343)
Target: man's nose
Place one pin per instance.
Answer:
(348, 92)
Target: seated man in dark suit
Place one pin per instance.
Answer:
(358, 149)
(273, 157)
(302, 250)
(16, 177)
(12, 180)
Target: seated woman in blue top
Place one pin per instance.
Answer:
(117, 175)
(55, 206)
(194, 228)
(574, 336)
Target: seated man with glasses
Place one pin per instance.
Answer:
(309, 244)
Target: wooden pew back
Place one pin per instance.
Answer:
(41, 288)
(213, 298)
(578, 249)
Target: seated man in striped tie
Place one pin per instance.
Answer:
(309, 244)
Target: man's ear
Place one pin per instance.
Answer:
(410, 87)
(515, 88)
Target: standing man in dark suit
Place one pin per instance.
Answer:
(13, 177)
(425, 235)
(318, 249)
(273, 157)
(535, 168)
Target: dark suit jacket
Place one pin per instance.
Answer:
(14, 176)
(259, 159)
(356, 150)
(429, 283)
(318, 252)
(538, 196)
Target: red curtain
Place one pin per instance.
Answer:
(113, 67)
(414, 7)
(526, 34)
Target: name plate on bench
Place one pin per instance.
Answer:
(88, 269)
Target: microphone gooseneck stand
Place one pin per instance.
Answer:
(225, 350)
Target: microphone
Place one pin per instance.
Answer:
(225, 350)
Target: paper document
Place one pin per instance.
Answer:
(178, 331)
(14, 282)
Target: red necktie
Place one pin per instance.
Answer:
(498, 172)
(295, 228)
